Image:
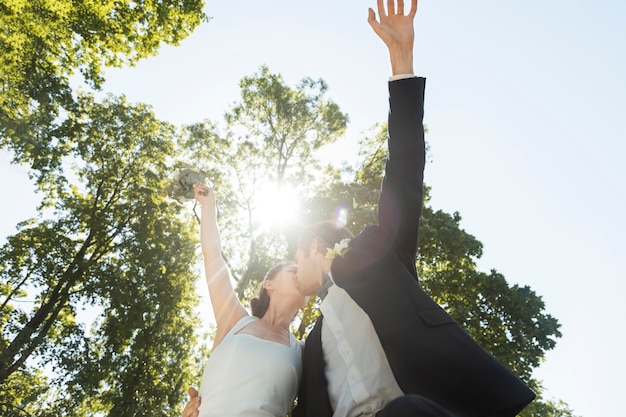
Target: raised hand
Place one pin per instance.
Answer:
(395, 28)
(203, 193)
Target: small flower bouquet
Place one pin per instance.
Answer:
(180, 186)
(340, 249)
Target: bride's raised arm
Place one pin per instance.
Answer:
(226, 306)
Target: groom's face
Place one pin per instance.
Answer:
(309, 275)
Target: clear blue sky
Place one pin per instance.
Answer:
(525, 108)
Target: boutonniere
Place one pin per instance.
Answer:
(340, 249)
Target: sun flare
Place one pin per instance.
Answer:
(275, 206)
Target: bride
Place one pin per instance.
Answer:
(256, 363)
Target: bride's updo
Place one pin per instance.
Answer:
(260, 302)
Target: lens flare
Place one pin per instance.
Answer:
(341, 216)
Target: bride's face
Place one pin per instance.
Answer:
(285, 285)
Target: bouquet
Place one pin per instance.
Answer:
(181, 181)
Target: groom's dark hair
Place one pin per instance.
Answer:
(327, 233)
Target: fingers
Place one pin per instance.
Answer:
(381, 9)
(371, 17)
(193, 393)
(413, 10)
(193, 406)
(202, 189)
(392, 9)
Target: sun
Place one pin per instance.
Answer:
(275, 205)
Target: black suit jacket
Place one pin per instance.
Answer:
(429, 353)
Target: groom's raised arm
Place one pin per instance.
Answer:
(401, 196)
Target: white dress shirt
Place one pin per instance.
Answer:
(360, 381)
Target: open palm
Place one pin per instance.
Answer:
(394, 27)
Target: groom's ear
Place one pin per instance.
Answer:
(314, 247)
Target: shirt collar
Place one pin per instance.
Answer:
(327, 282)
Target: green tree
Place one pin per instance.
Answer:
(23, 392)
(547, 408)
(109, 273)
(43, 43)
(283, 126)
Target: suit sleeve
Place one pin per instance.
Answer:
(401, 196)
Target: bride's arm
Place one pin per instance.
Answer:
(226, 306)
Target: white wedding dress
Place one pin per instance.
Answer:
(249, 376)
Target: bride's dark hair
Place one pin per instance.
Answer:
(260, 302)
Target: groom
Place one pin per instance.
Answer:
(382, 346)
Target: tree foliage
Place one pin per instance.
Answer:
(43, 43)
(283, 126)
(108, 272)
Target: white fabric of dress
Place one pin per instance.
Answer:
(249, 376)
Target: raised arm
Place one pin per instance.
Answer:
(226, 306)
(402, 187)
